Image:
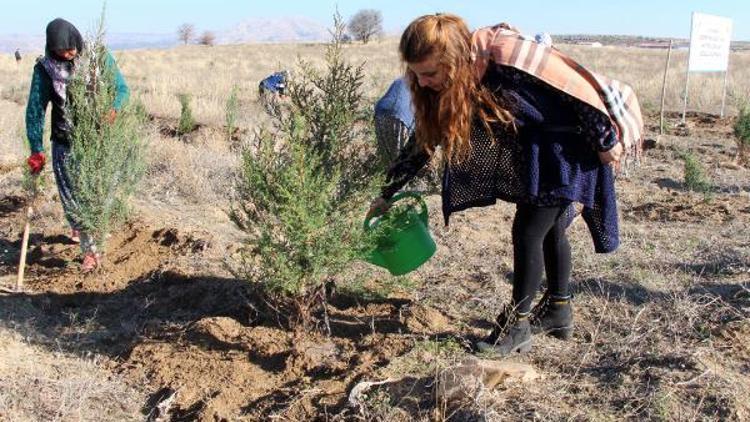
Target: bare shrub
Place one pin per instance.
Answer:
(186, 32)
(365, 24)
(207, 38)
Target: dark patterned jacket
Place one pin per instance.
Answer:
(549, 160)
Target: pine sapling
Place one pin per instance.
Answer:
(106, 159)
(742, 134)
(187, 122)
(304, 188)
(695, 176)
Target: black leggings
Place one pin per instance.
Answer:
(539, 239)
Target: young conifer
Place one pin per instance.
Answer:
(106, 159)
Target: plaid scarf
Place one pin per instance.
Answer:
(503, 45)
(60, 71)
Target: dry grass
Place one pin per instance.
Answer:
(644, 70)
(43, 384)
(662, 326)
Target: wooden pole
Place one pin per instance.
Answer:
(724, 92)
(26, 230)
(664, 89)
(24, 247)
(687, 77)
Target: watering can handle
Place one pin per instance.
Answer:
(423, 214)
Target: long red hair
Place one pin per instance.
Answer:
(445, 118)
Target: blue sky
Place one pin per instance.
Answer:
(634, 17)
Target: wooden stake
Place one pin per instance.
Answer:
(24, 247)
(724, 92)
(26, 230)
(664, 90)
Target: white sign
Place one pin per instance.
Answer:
(709, 43)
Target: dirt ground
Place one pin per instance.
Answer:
(662, 328)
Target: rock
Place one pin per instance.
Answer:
(218, 331)
(309, 355)
(426, 320)
(474, 377)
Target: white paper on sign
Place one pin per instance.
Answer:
(710, 37)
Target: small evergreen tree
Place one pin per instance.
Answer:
(742, 133)
(187, 122)
(304, 188)
(695, 177)
(106, 159)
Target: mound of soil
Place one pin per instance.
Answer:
(197, 340)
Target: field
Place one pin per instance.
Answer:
(164, 332)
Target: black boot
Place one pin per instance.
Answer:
(554, 316)
(517, 338)
(503, 321)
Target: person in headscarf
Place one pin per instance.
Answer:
(49, 84)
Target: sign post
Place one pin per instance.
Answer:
(710, 37)
(664, 90)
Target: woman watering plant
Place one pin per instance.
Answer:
(510, 128)
(50, 82)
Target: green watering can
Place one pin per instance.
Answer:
(402, 241)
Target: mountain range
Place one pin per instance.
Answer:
(252, 30)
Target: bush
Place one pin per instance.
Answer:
(695, 177)
(304, 187)
(742, 133)
(187, 122)
(106, 159)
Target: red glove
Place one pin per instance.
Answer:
(36, 162)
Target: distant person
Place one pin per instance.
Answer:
(394, 120)
(506, 132)
(543, 38)
(274, 83)
(49, 84)
(272, 89)
(394, 125)
(18, 55)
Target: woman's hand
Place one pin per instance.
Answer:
(377, 207)
(36, 162)
(612, 155)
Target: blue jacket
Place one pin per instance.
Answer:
(397, 103)
(276, 82)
